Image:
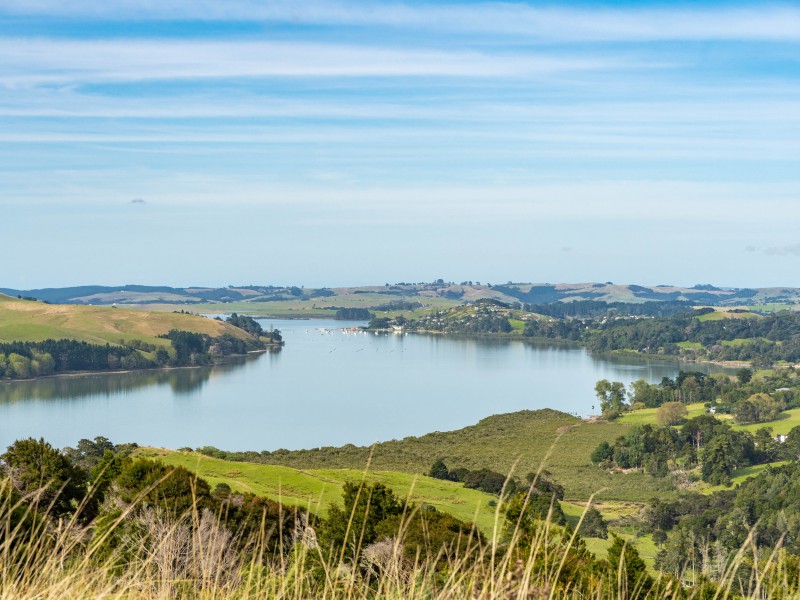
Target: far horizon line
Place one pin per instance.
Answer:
(438, 281)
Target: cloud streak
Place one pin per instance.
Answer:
(777, 22)
(45, 61)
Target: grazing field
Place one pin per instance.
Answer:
(324, 306)
(786, 421)
(27, 321)
(690, 345)
(784, 424)
(739, 476)
(518, 442)
(317, 489)
(622, 521)
(724, 314)
(648, 415)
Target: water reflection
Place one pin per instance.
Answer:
(184, 381)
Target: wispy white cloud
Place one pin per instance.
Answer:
(500, 146)
(691, 107)
(756, 22)
(25, 62)
(331, 198)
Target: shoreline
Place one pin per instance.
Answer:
(575, 344)
(69, 374)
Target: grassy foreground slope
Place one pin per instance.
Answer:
(520, 441)
(317, 489)
(27, 321)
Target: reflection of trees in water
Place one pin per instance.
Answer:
(659, 366)
(185, 381)
(181, 381)
(562, 347)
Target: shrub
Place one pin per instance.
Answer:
(671, 413)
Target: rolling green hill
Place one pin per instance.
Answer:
(28, 321)
(317, 489)
(518, 441)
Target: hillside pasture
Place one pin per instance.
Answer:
(317, 489)
(28, 321)
(515, 443)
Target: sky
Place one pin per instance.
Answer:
(339, 142)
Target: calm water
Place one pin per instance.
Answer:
(326, 387)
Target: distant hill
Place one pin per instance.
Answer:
(531, 293)
(25, 320)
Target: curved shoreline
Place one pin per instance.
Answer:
(69, 374)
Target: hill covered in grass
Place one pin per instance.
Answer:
(38, 338)
(518, 442)
(29, 321)
(317, 489)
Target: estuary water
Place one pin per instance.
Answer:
(326, 387)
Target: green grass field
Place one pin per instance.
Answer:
(317, 489)
(787, 421)
(690, 345)
(648, 415)
(738, 342)
(22, 320)
(738, 476)
(770, 307)
(621, 518)
(316, 307)
(519, 441)
(719, 315)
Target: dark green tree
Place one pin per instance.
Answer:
(348, 529)
(744, 375)
(526, 513)
(628, 568)
(37, 469)
(593, 524)
(439, 470)
(603, 452)
(611, 396)
(724, 454)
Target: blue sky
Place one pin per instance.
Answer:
(354, 142)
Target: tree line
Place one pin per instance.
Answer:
(22, 360)
(749, 399)
(764, 340)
